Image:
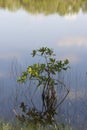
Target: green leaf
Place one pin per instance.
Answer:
(52, 60)
(34, 53)
(66, 61)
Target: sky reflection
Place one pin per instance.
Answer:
(20, 32)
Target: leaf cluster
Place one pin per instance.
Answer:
(44, 72)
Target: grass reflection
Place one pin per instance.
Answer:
(61, 7)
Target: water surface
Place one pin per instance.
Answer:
(25, 26)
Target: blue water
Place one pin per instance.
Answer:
(21, 32)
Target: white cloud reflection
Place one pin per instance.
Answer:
(73, 41)
(76, 94)
(71, 17)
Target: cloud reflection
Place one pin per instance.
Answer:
(76, 94)
(73, 41)
(71, 17)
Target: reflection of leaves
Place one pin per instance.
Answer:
(61, 7)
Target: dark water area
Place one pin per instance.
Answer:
(27, 25)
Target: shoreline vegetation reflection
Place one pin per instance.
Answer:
(47, 7)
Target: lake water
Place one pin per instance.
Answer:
(24, 28)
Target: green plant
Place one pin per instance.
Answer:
(45, 76)
(18, 126)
